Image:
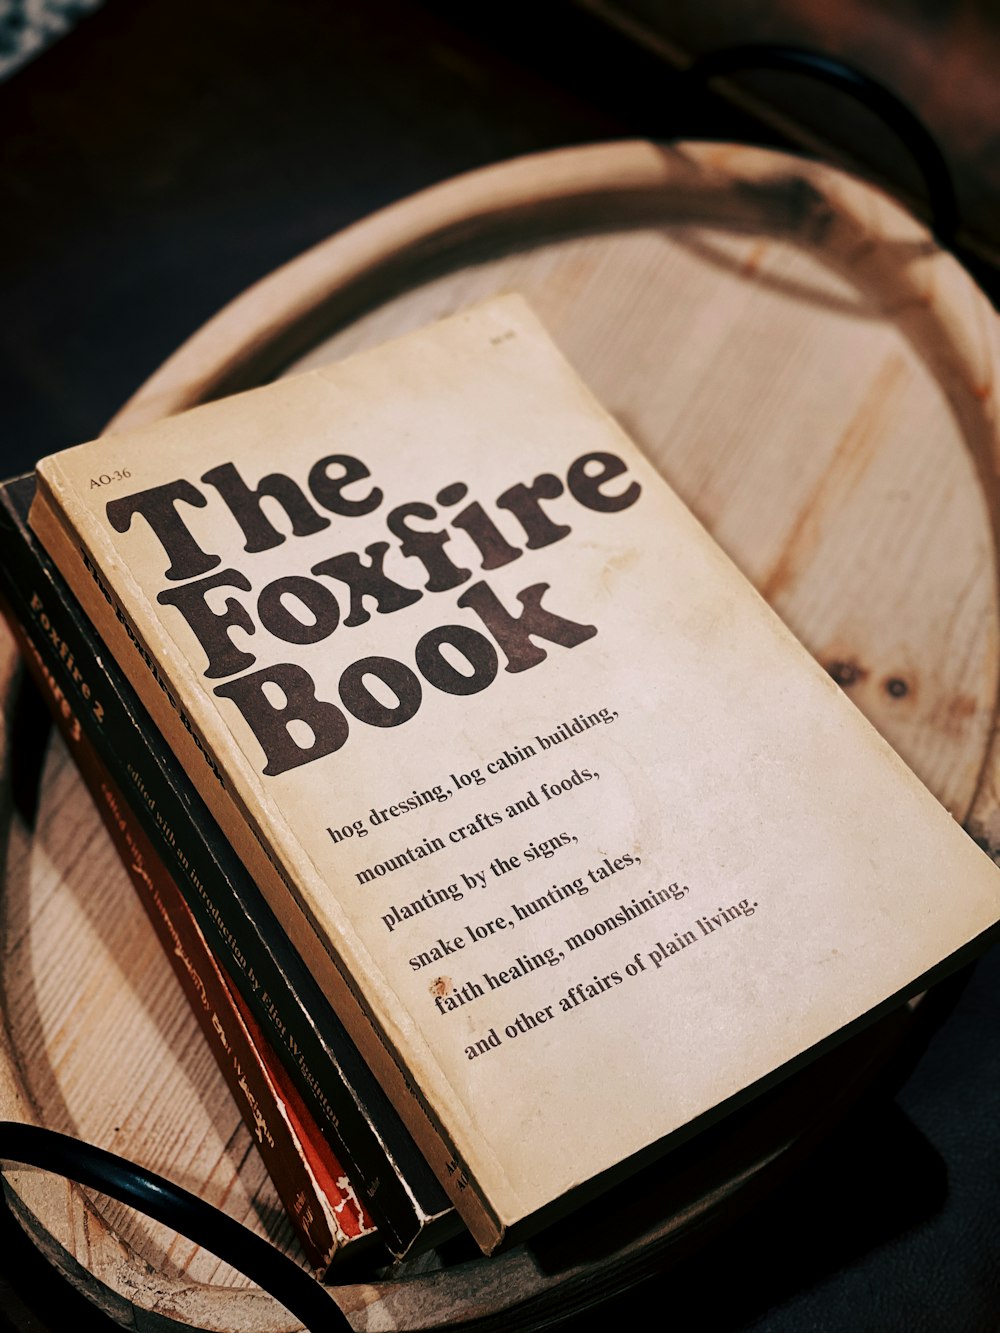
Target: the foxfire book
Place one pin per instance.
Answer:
(581, 842)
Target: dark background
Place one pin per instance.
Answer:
(163, 156)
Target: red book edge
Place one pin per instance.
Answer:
(324, 1209)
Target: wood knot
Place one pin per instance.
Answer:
(846, 672)
(896, 687)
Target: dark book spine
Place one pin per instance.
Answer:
(353, 1114)
(242, 1060)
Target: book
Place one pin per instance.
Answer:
(82, 681)
(581, 843)
(330, 1221)
(328, 1218)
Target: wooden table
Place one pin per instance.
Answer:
(875, 1159)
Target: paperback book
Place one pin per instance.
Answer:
(579, 841)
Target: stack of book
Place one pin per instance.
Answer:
(500, 835)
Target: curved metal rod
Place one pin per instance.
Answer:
(201, 1222)
(890, 109)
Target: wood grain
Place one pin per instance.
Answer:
(817, 380)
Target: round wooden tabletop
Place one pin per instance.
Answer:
(816, 378)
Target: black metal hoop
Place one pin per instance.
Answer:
(200, 1222)
(890, 109)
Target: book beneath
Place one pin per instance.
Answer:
(92, 698)
(582, 844)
